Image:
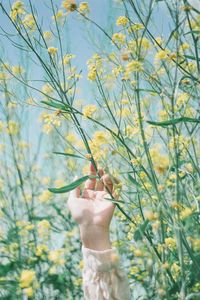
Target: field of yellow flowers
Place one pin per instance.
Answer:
(132, 108)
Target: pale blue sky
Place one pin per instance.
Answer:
(75, 37)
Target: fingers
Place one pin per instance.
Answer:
(76, 192)
(90, 183)
(107, 182)
(99, 184)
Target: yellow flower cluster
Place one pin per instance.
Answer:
(182, 98)
(94, 65)
(69, 5)
(50, 120)
(170, 242)
(100, 138)
(151, 216)
(119, 38)
(162, 55)
(17, 10)
(122, 21)
(12, 127)
(52, 50)
(27, 278)
(47, 35)
(133, 66)
(43, 228)
(160, 161)
(89, 110)
(56, 256)
(29, 22)
(59, 15)
(47, 89)
(186, 212)
(67, 58)
(135, 27)
(17, 70)
(83, 8)
(1, 126)
(45, 196)
(41, 250)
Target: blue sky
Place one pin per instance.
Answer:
(75, 36)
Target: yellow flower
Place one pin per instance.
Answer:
(182, 98)
(71, 138)
(28, 292)
(92, 73)
(52, 50)
(119, 38)
(47, 89)
(83, 7)
(58, 15)
(41, 249)
(162, 55)
(29, 22)
(124, 112)
(69, 5)
(13, 128)
(135, 27)
(43, 228)
(45, 196)
(196, 244)
(78, 281)
(122, 21)
(56, 256)
(17, 70)
(89, 110)
(16, 10)
(186, 212)
(170, 242)
(151, 216)
(133, 66)
(100, 137)
(47, 35)
(47, 128)
(27, 278)
(67, 58)
(184, 46)
(1, 126)
(81, 264)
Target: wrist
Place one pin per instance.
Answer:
(95, 237)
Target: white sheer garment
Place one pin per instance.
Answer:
(103, 277)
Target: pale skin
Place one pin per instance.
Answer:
(92, 211)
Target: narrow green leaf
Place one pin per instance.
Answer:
(56, 105)
(191, 57)
(140, 230)
(71, 186)
(69, 154)
(133, 181)
(174, 121)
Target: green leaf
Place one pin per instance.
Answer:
(57, 105)
(174, 121)
(69, 154)
(71, 186)
(191, 57)
(133, 181)
(140, 230)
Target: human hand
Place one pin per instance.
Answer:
(92, 211)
